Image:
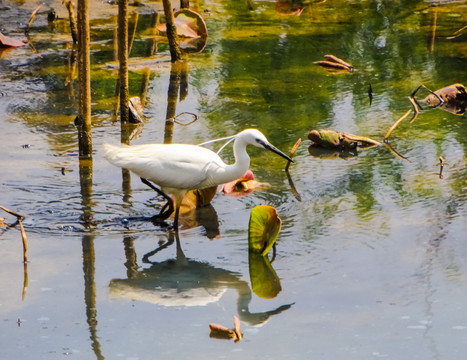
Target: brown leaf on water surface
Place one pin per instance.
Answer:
(6, 41)
(189, 24)
(452, 98)
(242, 186)
(222, 332)
(336, 60)
(333, 63)
(331, 139)
(197, 198)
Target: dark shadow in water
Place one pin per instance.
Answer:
(331, 154)
(178, 88)
(292, 186)
(185, 282)
(204, 217)
(89, 259)
(85, 177)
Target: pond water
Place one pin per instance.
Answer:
(371, 256)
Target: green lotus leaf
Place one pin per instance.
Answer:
(263, 229)
(264, 281)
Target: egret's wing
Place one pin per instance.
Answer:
(170, 165)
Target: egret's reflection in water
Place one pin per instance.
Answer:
(185, 282)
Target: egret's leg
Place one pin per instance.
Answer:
(155, 251)
(178, 202)
(177, 211)
(163, 214)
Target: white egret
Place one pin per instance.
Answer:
(178, 168)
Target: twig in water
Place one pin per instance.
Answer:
(23, 233)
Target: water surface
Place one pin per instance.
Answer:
(372, 257)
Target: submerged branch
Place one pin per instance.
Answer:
(415, 114)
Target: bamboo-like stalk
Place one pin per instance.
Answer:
(25, 241)
(84, 80)
(292, 153)
(123, 60)
(72, 18)
(175, 52)
(25, 280)
(132, 25)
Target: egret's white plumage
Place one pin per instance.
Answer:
(178, 168)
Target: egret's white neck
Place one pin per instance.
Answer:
(242, 161)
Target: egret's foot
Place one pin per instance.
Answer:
(157, 219)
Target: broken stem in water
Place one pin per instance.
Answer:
(23, 233)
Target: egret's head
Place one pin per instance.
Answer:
(256, 138)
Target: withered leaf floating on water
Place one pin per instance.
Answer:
(243, 185)
(452, 98)
(189, 24)
(222, 332)
(6, 41)
(333, 63)
(331, 139)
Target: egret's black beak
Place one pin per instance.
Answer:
(274, 150)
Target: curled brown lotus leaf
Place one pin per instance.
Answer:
(222, 332)
(189, 24)
(452, 98)
(6, 41)
(331, 139)
(333, 63)
(197, 198)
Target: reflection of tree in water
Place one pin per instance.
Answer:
(185, 282)
(48, 88)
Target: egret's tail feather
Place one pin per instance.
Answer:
(113, 154)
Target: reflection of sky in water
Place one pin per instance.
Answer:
(343, 113)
